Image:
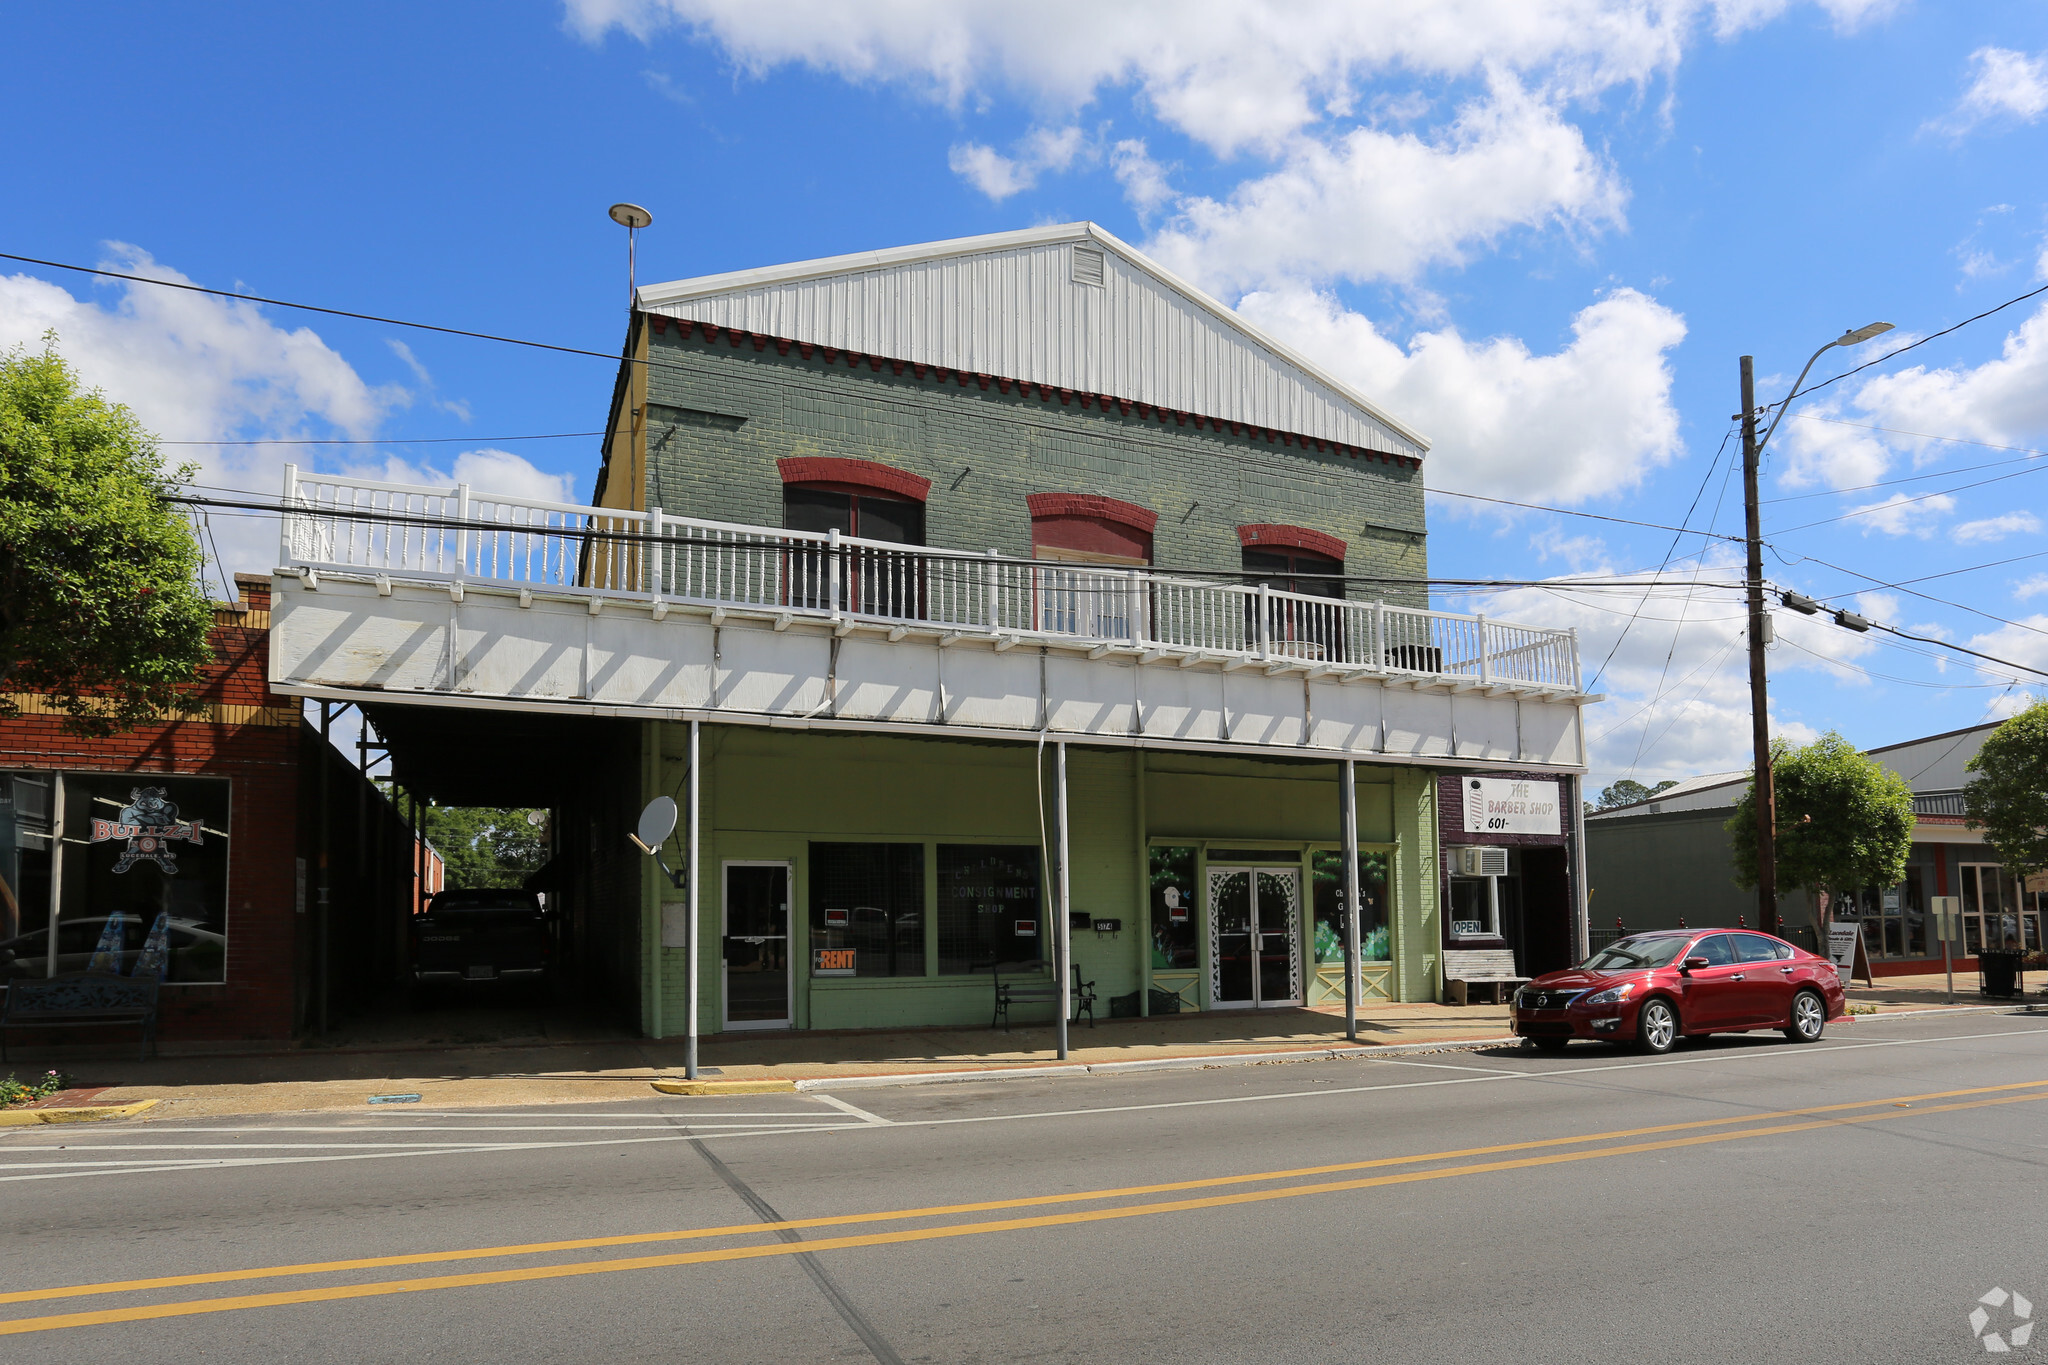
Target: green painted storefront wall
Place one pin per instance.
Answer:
(768, 793)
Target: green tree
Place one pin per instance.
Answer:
(486, 846)
(2008, 798)
(1628, 791)
(1844, 821)
(100, 605)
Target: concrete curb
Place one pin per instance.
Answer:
(1018, 1073)
(1949, 1009)
(89, 1113)
(761, 1087)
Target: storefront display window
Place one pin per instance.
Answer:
(989, 908)
(27, 804)
(867, 900)
(1471, 908)
(1174, 936)
(1374, 943)
(1894, 917)
(1992, 914)
(143, 879)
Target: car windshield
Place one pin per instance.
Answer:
(1635, 954)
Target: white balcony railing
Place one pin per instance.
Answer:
(452, 534)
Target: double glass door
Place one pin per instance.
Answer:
(755, 945)
(1997, 913)
(1254, 936)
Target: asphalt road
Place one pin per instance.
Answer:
(1742, 1200)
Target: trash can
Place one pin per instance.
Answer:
(2000, 971)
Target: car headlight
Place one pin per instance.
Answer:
(1613, 995)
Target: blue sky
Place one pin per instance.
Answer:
(1541, 231)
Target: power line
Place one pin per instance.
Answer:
(385, 441)
(1908, 502)
(1911, 345)
(1908, 478)
(1592, 516)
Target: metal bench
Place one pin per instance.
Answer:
(80, 1000)
(1491, 967)
(1030, 986)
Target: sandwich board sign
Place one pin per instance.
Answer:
(1845, 950)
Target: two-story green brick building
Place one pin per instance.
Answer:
(890, 542)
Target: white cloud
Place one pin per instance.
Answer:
(2025, 641)
(1590, 419)
(198, 368)
(1997, 528)
(999, 176)
(2026, 590)
(1903, 514)
(2007, 85)
(1374, 204)
(1144, 180)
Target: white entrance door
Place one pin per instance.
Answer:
(1254, 936)
(755, 945)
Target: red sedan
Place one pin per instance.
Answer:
(1651, 989)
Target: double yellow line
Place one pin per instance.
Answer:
(1804, 1120)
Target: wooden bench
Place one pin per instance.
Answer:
(80, 1000)
(1494, 967)
(1031, 985)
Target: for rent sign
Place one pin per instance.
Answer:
(1506, 805)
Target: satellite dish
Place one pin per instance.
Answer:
(536, 818)
(631, 216)
(657, 822)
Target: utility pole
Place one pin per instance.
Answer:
(1759, 683)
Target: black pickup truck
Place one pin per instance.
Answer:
(482, 935)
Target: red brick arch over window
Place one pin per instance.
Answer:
(866, 475)
(1090, 525)
(1267, 535)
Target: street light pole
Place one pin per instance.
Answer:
(1760, 633)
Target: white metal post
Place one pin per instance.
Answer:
(995, 590)
(1485, 663)
(1347, 811)
(1062, 943)
(284, 523)
(832, 569)
(1265, 620)
(1581, 897)
(695, 865)
(1379, 635)
(650, 553)
(1134, 599)
(461, 531)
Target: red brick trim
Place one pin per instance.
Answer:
(859, 473)
(1295, 537)
(1091, 505)
(1147, 412)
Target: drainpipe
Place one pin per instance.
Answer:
(694, 854)
(1347, 812)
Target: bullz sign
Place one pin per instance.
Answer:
(150, 823)
(1500, 805)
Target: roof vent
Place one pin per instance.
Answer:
(1088, 265)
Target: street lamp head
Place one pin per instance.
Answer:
(1855, 338)
(631, 216)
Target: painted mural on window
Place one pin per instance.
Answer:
(142, 882)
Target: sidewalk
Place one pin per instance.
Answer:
(585, 1066)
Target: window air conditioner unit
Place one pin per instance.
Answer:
(1479, 860)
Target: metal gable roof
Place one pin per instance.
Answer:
(1009, 304)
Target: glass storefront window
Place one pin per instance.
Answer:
(27, 804)
(1894, 917)
(1174, 938)
(1471, 908)
(1327, 865)
(867, 909)
(144, 878)
(989, 909)
(1991, 909)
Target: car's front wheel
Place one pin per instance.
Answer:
(1657, 1027)
(1809, 1018)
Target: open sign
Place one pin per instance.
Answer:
(1026, 928)
(837, 919)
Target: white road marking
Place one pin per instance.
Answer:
(863, 1115)
(71, 1166)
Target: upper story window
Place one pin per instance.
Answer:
(1086, 528)
(859, 498)
(1293, 559)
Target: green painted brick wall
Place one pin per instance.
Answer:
(769, 792)
(720, 416)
